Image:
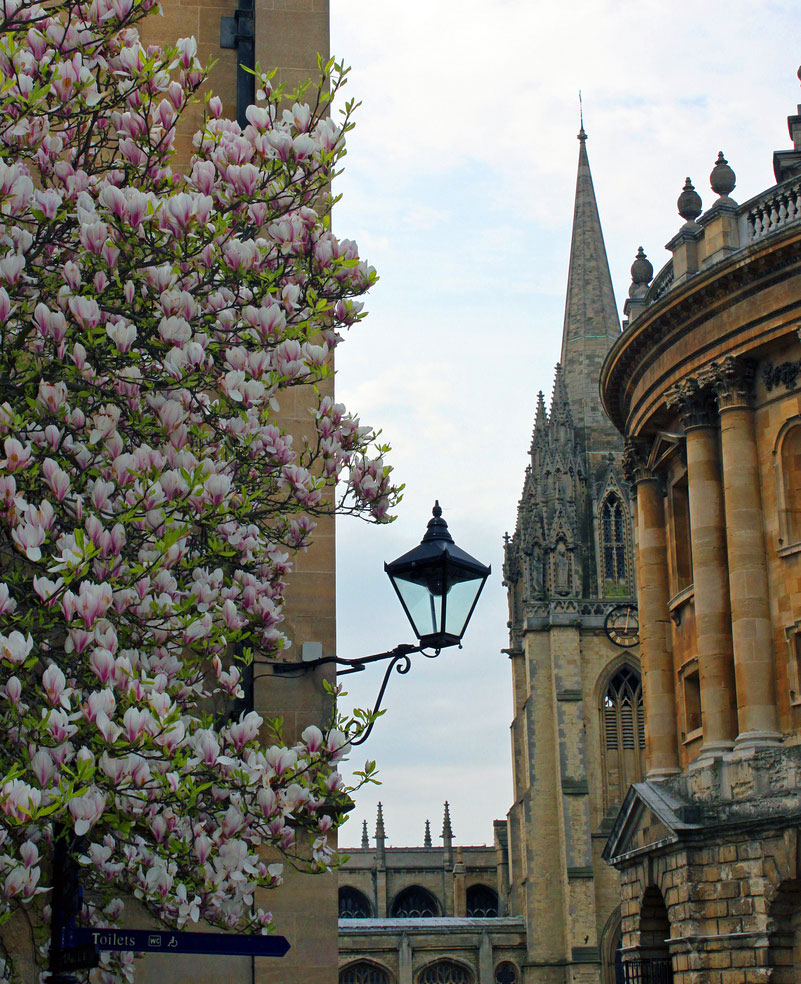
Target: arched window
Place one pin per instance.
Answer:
(414, 903)
(613, 546)
(353, 904)
(363, 973)
(623, 729)
(482, 902)
(445, 972)
(791, 486)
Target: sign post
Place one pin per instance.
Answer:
(173, 941)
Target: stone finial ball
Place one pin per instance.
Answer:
(689, 202)
(641, 269)
(722, 177)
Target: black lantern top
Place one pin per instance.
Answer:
(438, 585)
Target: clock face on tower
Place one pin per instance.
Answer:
(622, 626)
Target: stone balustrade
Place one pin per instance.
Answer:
(772, 210)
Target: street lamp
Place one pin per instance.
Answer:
(438, 585)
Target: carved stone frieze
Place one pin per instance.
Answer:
(784, 374)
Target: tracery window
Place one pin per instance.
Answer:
(445, 972)
(482, 902)
(414, 903)
(613, 545)
(363, 973)
(623, 725)
(506, 973)
(353, 904)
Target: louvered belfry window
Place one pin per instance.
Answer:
(624, 734)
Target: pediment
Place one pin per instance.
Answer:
(664, 446)
(651, 816)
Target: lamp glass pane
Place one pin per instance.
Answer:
(460, 600)
(424, 608)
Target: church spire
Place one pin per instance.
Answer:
(591, 318)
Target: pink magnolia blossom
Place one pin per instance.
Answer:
(54, 684)
(87, 809)
(18, 455)
(7, 603)
(15, 647)
(13, 690)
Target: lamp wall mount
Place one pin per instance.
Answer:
(399, 659)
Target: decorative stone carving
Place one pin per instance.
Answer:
(689, 202)
(731, 379)
(694, 402)
(722, 179)
(634, 463)
(561, 569)
(784, 374)
(642, 272)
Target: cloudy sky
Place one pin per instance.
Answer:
(459, 188)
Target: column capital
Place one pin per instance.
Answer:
(731, 380)
(635, 465)
(633, 462)
(694, 401)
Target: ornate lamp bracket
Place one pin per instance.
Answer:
(399, 659)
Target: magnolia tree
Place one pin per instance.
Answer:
(150, 500)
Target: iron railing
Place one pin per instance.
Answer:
(654, 971)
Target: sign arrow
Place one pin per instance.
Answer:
(169, 941)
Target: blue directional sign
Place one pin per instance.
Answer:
(169, 941)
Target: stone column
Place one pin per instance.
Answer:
(710, 576)
(752, 635)
(661, 745)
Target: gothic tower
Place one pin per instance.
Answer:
(577, 733)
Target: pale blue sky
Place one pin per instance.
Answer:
(459, 188)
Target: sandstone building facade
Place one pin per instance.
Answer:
(425, 914)
(704, 384)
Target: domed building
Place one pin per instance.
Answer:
(705, 385)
